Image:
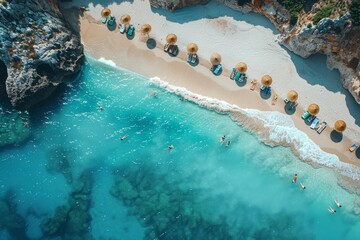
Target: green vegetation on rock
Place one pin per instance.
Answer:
(355, 12)
(294, 7)
(323, 13)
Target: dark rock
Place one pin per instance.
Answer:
(34, 23)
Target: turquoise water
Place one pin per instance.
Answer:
(73, 177)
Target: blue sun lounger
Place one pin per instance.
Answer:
(104, 20)
(311, 119)
(217, 69)
(305, 115)
(314, 123)
(237, 76)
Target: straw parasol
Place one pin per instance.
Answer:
(146, 28)
(192, 48)
(105, 12)
(241, 67)
(292, 96)
(313, 109)
(171, 38)
(266, 80)
(125, 19)
(215, 59)
(340, 126)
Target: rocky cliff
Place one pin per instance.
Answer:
(335, 36)
(37, 48)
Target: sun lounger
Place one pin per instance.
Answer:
(217, 69)
(253, 84)
(262, 87)
(104, 20)
(131, 30)
(321, 127)
(237, 76)
(111, 20)
(232, 75)
(305, 115)
(194, 58)
(171, 49)
(310, 119)
(175, 50)
(189, 58)
(274, 99)
(267, 91)
(314, 123)
(166, 47)
(122, 29)
(353, 147)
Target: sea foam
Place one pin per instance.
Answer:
(107, 62)
(273, 128)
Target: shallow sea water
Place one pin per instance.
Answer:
(140, 190)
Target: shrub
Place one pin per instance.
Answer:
(355, 12)
(309, 25)
(293, 18)
(323, 13)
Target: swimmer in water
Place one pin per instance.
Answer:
(153, 93)
(100, 108)
(170, 147)
(331, 210)
(124, 137)
(302, 186)
(222, 139)
(26, 123)
(228, 143)
(337, 203)
(294, 178)
(182, 99)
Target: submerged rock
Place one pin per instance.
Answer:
(14, 127)
(27, 28)
(12, 221)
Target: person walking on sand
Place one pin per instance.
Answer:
(170, 147)
(337, 203)
(331, 210)
(302, 186)
(222, 139)
(294, 178)
(228, 143)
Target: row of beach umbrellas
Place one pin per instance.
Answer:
(215, 59)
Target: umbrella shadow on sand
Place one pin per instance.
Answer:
(241, 83)
(289, 108)
(336, 136)
(265, 95)
(357, 153)
(112, 27)
(130, 37)
(151, 43)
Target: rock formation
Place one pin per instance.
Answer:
(335, 37)
(37, 48)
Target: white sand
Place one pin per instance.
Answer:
(236, 40)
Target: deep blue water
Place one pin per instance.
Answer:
(73, 177)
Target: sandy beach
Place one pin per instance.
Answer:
(134, 55)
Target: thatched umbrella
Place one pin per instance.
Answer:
(292, 96)
(192, 48)
(313, 109)
(105, 12)
(146, 29)
(266, 80)
(125, 19)
(241, 67)
(215, 59)
(340, 126)
(171, 39)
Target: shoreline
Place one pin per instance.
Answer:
(130, 54)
